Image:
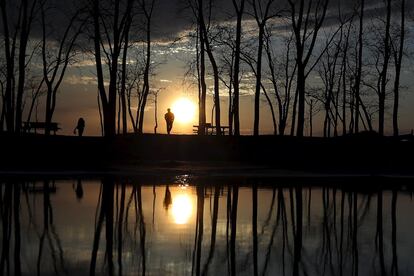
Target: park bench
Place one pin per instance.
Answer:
(29, 126)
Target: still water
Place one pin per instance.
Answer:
(186, 227)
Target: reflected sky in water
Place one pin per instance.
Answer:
(85, 227)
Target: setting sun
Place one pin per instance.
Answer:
(184, 110)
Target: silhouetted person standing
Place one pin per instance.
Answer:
(80, 127)
(169, 119)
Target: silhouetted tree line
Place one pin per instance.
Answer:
(55, 35)
(341, 58)
(299, 231)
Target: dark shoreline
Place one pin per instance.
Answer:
(226, 155)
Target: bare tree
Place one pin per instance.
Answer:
(384, 72)
(343, 82)
(239, 9)
(37, 89)
(17, 19)
(133, 90)
(204, 28)
(57, 53)
(155, 94)
(122, 90)
(251, 62)
(281, 76)
(398, 56)
(357, 83)
(204, 46)
(227, 59)
(147, 7)
(262, 13)
(201, 77)
(201, 66)
(28, 15)
(3, 80)
(307, 19)
(112, 17)
(330, 76)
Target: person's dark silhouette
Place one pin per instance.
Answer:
(167, 198)
(80, 127)
(169, 119)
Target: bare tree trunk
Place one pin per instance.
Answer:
(272, 111)
(34, 100)
(231, 106)
(24, 36)
(384, 72)
(146, 88)
(99, 71)
(100, 115)
(215, 74)
(123, 78)
(311, 118)
(155, 112)
(54, 66)
(344, 83)
(110, 114)
(203, 95)
(3, 107)
(398, 62)
(295, 103)
(283, 106)
(239, 11)
(305, 30)
(366, 114)
(258, 82)
(261, 16)
(359, 67)
(301, 99)
(9, 54)
(131, 117)
(115, 38)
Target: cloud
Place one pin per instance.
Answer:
(76, 79)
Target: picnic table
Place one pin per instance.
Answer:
(210, 129)
(29, 126)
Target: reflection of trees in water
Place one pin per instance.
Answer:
(233, 227)
(114, 207)
(6, 219)
(50, 235)
(309, 233)
(11, 210)
(299, 231)
(199, 231)
(213, 229)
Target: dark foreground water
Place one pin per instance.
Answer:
(185, 227)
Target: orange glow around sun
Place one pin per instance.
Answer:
(184, 110)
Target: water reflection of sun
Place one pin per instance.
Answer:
(182, 207)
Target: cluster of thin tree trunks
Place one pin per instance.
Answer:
(119, 214)
(358, 59)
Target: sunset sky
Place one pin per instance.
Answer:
(78, 93)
